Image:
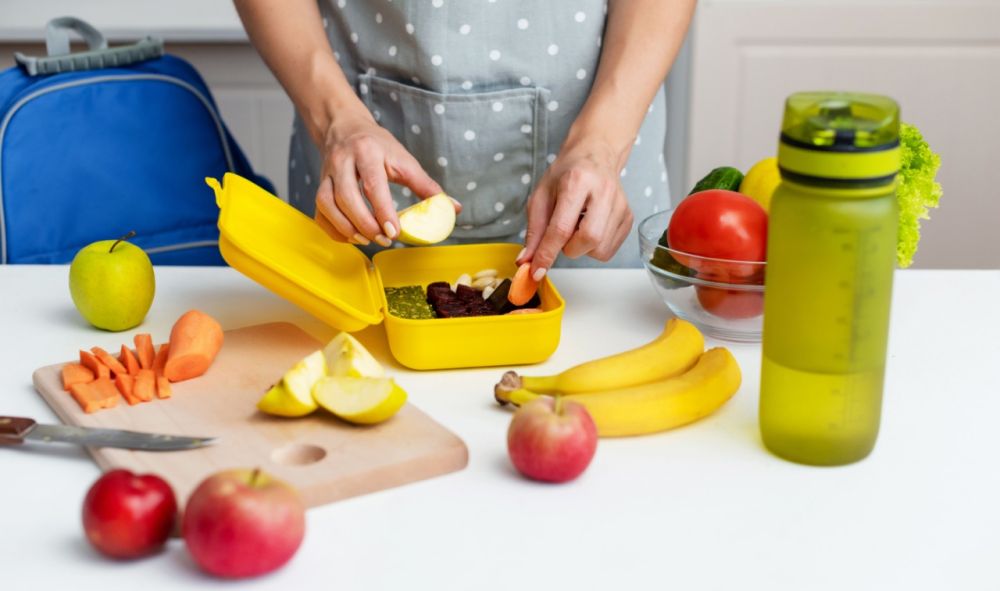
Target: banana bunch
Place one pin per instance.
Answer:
(669, 382)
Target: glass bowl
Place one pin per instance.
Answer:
(723, 298)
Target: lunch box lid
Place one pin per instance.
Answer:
(284, 250)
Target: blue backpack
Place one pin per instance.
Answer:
(99, 143)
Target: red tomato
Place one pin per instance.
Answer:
(719, 224)
(731, 304)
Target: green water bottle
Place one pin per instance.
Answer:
(830, 261)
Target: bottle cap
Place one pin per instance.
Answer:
(840, 139)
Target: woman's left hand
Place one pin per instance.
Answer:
(578, 208)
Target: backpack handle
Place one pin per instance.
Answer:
(97, 56)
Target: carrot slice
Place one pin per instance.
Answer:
(126, 385)
(163, 389)
(160, 361)
(88, 360)
(523, 286)
(128, 359)
(145, 385)
(195, 340)
(144, 350)
(75, 373)
(107, 359)
(93, 396)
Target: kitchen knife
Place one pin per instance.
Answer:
(19, 429)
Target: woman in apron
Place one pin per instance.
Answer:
(545, 121)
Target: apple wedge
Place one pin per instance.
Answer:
(345, 356)
(427, 222)
(365, 401)
(292, 396)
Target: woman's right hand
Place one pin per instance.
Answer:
(360, 159)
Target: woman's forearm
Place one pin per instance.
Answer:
(289, 36)
(640, 44)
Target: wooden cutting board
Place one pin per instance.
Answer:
(325, 458)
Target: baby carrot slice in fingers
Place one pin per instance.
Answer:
(523, 286)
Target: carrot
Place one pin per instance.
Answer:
(161, 359)
(113, 364)
(195, 340)
(145, 385)
(144, 350)
(93, 396)
(163, 389)
(126, 385)
(128, 359)
(75, 373)
(523, 286)
(92, 363)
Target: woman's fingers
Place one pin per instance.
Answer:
(347, 196)
(618, 231)
(326, 208)
(540, 206)
(597, 220)
(403, 169)
(375, 185)
(327, 227)
(572, 192)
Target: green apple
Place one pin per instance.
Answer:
(427, 222)
(365, 401)
(292, 396)
(112, 283)
(345, 356)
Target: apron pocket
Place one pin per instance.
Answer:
(485, 149)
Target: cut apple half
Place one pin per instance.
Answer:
(427, 222)
(365, 401)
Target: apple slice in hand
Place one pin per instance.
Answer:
(427, 222)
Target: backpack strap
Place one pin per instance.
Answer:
(97, 56)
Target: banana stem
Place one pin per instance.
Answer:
(517, 397)
(507, 384)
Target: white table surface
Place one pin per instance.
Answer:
(701, 507)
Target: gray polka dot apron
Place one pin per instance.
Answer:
(482, 93)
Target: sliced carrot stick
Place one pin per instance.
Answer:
(93, 396)
(88, 360)
(107, 359)
(144, 350)
(523, 286)
(163, 389)
(126, 385)
(160, 361)
(129, 361)
(75, 373)
(195, 340)
(145, 385)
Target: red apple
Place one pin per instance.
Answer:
(551, 440)
(127, 515)
(243, 523)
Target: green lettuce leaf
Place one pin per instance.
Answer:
(916, 190)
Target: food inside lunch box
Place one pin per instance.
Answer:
(479, 294)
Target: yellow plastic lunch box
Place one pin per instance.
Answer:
(285, 251)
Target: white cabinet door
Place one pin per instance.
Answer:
(940, 60)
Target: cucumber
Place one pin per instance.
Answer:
(663, 260)
(724, 177)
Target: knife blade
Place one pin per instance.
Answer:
(20, 429)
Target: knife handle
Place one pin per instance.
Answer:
(13, 429)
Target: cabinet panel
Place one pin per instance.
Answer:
(942, 68)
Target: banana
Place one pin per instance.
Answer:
(672, 353)
(657, 406)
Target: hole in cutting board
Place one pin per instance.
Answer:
(298, 454)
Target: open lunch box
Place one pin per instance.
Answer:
(284, 250)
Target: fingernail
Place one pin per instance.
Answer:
(383, 241)
(538, 275)
(390, 230)
(520, 255)
(457, 203)
(361, 239)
